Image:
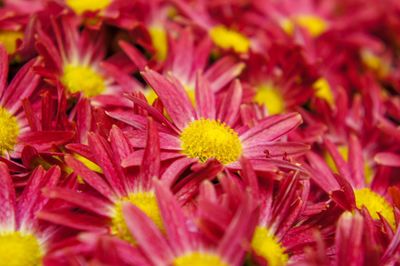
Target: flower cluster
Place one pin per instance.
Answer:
(197, 133)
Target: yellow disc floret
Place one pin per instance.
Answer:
(9, 131)
(210, 139)
(159, 38)
(146, 202)
(85, 79)
(374, 203)
(229, 39)
(9, 39)
(267, 246)
(18, 249)
(314, 25)
(82, 6)
(323, 91)
(199, 259)
(270, 97)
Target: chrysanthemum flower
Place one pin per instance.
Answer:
(188, 58)
(350, 189)
(223, 36)
(112, 185)
(183, 243)
(281, 203)
(211, 131)
(75, 60)
(14, 125)
(23, 241)
(284, 82)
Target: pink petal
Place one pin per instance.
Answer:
(271, 128)
(230, 105)
(7, 199)
(388, 159)
(173, 96)
(147, 235)
(151, 158)
(205, 99)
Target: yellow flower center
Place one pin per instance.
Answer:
(9, 39)
(210, 139)
(146, 202)
(79, 78)
(315, 25)
(9, 131)
(270, 97)
(229, 39)
(373, 62)
(267, 246)
(82, 6)
(323, 91)
(159, 38)
(199, 259)
(374, 203)
(17, 249)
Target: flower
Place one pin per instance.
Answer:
(23, 240)
(211, 131)
(183, 244)
(113, 185)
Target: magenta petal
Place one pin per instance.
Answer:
(85, 201)
(151, 158)
(7, 199)
(271, 128)
(3, 69)
(147, 235)
(230, 105)
(90, 177)
(387, 159)
(174, 98)
(205, 98)
(173, 219)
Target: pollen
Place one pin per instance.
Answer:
(84, 79)
(82, 6)
(210, 139)
(229, 39)
(9, 131)
(323, 91)
(146, 202)
(270, 97)
(267, 246)
(17, 249)
(199, 259)
(8, 39)
(159, 38)
(375, 204)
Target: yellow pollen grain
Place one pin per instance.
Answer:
(84, 79)
(159, 38)
(17, 249)
(374, 203)
(9, 39)
(267, 246)
(269, 96)
(9, 131)
(146, 202)
(323, 91)
(199, 259)
(82, 6)
(210, 139)
(229, 39)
